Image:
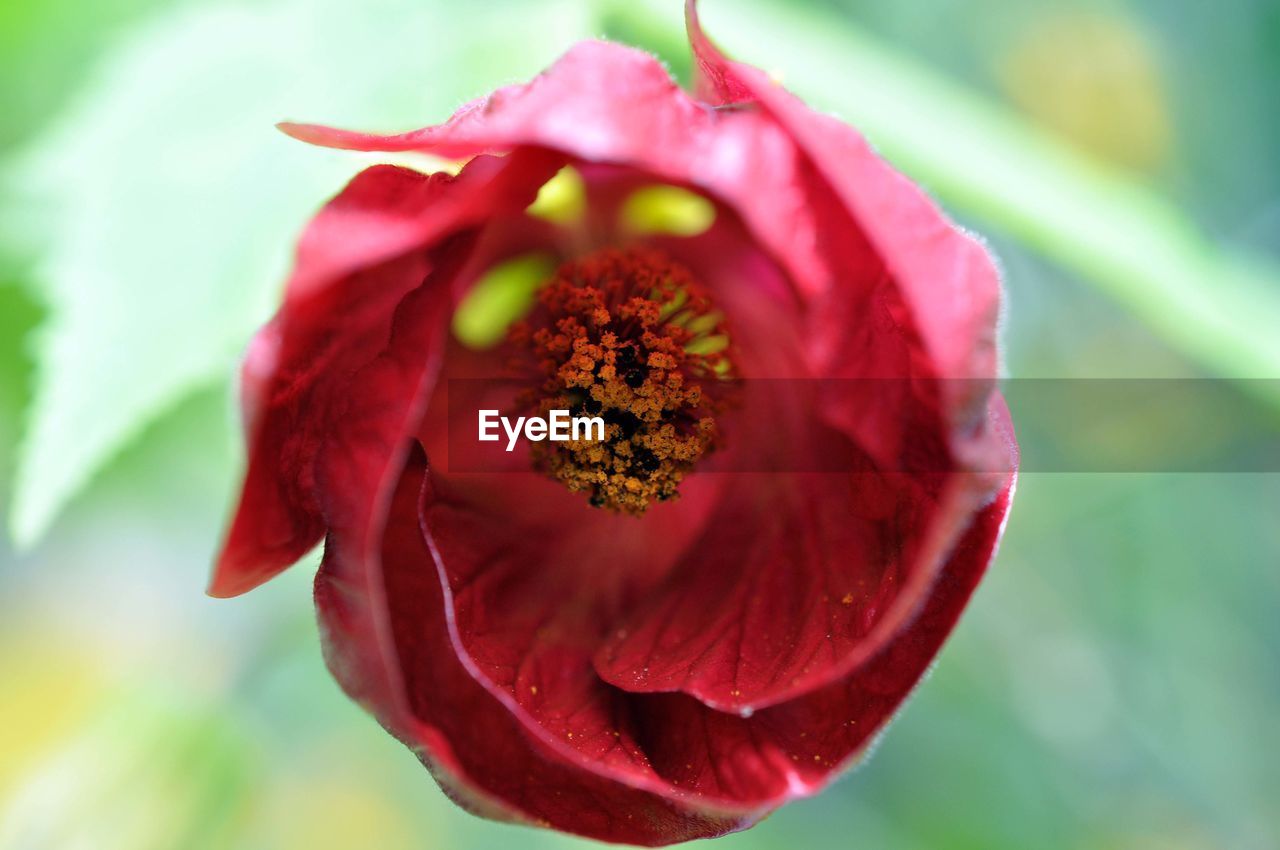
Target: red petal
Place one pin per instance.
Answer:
(821, 733)
(478, 750)
(675, 770)
(604, 102)
(607, 103)
(948, 281)
(826, 730)
(714, 81)
(357, 471)
(834, 565)
(356, 261)
(531, 574)
(833, 568)
(295, 371)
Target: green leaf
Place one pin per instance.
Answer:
(164, 205)
(980, 158)
(18, 315)
(46, 49)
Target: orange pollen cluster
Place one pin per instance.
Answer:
(628, 336)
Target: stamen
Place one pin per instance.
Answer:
(630, 336)
(667, 209)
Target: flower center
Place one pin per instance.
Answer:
(629, 336)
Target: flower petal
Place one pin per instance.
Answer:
(835, 564)
(714, 80)
(565, 752)
(949, 283)
(835, 567)
(782, 167)
(603, 102)
(356, 261)
(477, 748)
(820, 734)
(532, 577)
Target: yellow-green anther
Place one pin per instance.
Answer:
(501, 296)
(562, 199)
(667, 210)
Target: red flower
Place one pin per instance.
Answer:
(618, 640)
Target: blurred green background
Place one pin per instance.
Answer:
(1116, 683)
